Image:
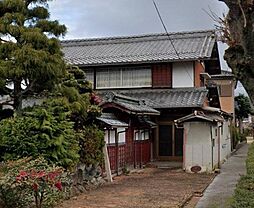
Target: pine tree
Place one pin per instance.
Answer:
(30, 55)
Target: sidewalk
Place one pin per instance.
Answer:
(220, 191)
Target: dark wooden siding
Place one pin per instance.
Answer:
(162, 75)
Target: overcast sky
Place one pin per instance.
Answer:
(100, 18)
(103, 18)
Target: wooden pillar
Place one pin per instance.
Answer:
(106, 161)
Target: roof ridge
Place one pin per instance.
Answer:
(64, 42)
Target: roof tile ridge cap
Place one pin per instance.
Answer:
(112, 38)
(121, 96)
(135, 36)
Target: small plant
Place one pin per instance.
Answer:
(29, 182)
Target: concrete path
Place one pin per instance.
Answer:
(220, 191)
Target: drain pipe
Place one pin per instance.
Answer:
(219, 138)
(211, 133)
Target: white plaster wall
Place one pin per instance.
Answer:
(215, 132)
(183, 74)
(225, 141)
(198, 146)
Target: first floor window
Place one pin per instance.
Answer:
(110, 135)
(141, 134)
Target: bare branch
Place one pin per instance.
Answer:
(244, 17)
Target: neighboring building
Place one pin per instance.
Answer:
(226, 84)
(148, 85)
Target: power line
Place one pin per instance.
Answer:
(164, 26)
(171, 41)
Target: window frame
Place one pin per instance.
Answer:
(147, 75)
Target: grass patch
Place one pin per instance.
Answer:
(244, 192)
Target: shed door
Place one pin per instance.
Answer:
(165, 140)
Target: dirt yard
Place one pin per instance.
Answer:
(149, 188)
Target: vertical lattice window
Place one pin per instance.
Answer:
(123, 77)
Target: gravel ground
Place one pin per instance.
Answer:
(148, 188)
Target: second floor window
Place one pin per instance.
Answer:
(123, 77)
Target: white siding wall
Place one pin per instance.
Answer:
(198, 150)
(215, 147)
(183, 74)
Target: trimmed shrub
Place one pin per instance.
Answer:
(244, 192)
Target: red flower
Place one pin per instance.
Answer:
(23, 174)
(58, 185)
(35, 187)
(41, 174)
(95, 99)
(52, 175)
(33, 174)
(18, 178)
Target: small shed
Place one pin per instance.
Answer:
(205, 146)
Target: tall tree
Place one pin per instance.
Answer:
(242, 109)
(238, 33)
(30, 56)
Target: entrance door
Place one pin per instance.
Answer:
(165, 140)
(170, 142)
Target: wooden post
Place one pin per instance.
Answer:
(107, 163)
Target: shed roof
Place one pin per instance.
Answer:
(140, 49)
(167, 98)
(200, 116)
(111, 120)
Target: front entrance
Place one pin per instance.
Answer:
(170, 142)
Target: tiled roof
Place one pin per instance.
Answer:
(139, 49)
(168, 98)
(129, 104)
(200, 115)
(111, 120)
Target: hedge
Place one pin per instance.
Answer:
(244, 192)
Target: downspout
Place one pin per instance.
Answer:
(211, 133)
(219, 132)
(184, 147)
(117, 151)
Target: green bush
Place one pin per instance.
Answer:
(29, 183)
(40, 132)
(237, 136)
(244, 192)
(91, 143)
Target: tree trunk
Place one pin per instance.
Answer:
(17, 95)
(239, 35)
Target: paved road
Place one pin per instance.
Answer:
(221, 189)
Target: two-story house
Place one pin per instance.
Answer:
(156, 85)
